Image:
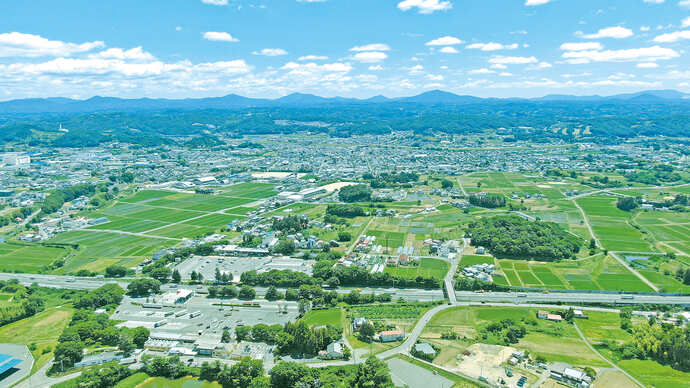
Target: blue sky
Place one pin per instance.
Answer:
(353, 48)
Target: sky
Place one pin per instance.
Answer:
(350, 48)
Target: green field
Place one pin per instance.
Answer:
(555, 341)
(596, 273)
(42, 329)
(612, 225)
(30, 258)
(333, 317)
(430, 268)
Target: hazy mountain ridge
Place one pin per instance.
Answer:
(234, 101)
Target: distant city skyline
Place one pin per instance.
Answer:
(349, 48)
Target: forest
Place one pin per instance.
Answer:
(515, 237)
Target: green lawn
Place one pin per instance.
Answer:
(427, 267)
(333, 317)
(42, 329)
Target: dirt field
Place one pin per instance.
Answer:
(486, 360)
(613, 379)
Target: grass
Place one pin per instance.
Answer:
(655, 375)
(333, 317)
(430, 268)
(555, 341)
(470, 260)
(133, 380)
(42, 329)
(29, 258)
(185, 382)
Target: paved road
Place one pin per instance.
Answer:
(574, 298)
(40, 379)
(584, 339)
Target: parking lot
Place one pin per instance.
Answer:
(212, 318)
(207, 265)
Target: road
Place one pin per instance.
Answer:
(584, 339)
(68, 282)
(625, 264)
(40, 379)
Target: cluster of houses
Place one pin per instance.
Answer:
(483, 272)
(382, 336)
(50, 227)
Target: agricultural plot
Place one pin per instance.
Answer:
(251, 190)
(391, 240)
(667, 229)
(28, 257)
(611, 225)
(596, 273)
(555, 341)
(430, 268)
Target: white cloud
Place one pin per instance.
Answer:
(370, 56)
(448, 50)
(482, 71)
(673, 37)
(505, 74)
(433, 77)
(531, 3)
(498, 66)
(445, 41)
(653, 53)
(372, 47)
(685, 22)
(215, 2)
(684, 3)
(425, 6)
(617, 32)
(492, 46)
(271, 52)
(654, 1)
(309, 68)
(375, 68)
(416, 69)
(136, 53)
(311, 1)
(219, 37)
(178, 28)
(312, 58)
(581, 46)
(16, 44)
(647, 65)
(541, 66)
(513, 60)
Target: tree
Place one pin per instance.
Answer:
(446, 184)
(686, 278)
(176, 277)
(355, 193)
(344, 236)
(242, 332)
(213, 291)
(161, 274)
(288, 374)
(347, 353)
(226, 336)
(247, 293)
(68, 353)
(303, 306)
(144, 286)
(367, 331)
(333, 282)
(626, 203)
(126, 345)
(116, 271)
(285, 247)
(374, 373)
(592, 244)
(272, 293)
(139, 336)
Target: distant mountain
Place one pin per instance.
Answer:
(440, 97)
(234, 101)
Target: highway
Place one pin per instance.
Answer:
(69, 282)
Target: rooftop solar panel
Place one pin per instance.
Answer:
(9, 364)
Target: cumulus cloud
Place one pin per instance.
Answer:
(673, 37)
(685, 22)
(370, 56)
(617, 32)
(425, 6)
(372, 47)
(312, 58)
(271, 52)
(654, 1)
(647, 65)
(215, 2)
(581, 46)
(491, 46)
(653, 53)
(17, 44)
(482, 71)
(216, 36)
(448, 50)
(136, 53)
(513, 60)
(531, 3)
(445, 41)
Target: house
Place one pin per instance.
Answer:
(554, 317)
(541, 314)
(334, 351)
(404, 259)
(579, 314)
(480, 250)
(391, 336)
(425, 349)
(358, 322)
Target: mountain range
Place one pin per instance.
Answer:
(234, 101)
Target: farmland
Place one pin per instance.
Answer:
(151, 220)
(431, 268)
(29, 258)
